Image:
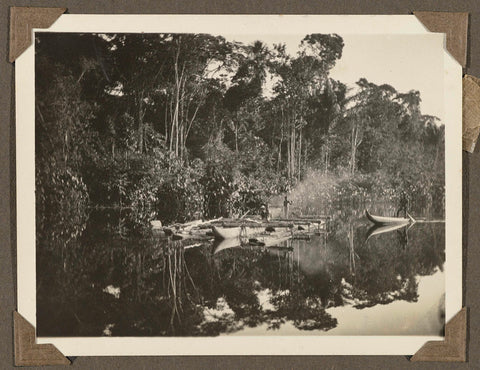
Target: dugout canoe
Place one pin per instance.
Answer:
(265, 241)
(273, 239)
(382, 220)
(234, 232)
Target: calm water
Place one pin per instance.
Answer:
(352, 281)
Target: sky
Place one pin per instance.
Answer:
(406, 62)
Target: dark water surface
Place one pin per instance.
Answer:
(351, 281)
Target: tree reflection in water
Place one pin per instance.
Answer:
(165, 289)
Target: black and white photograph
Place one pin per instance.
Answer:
(192, 184)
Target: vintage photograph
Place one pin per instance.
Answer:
(199, 185)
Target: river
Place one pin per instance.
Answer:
(350, 281)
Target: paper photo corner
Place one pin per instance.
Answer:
(453, 348)
(23, 20)
(28, 352)
(455, 25)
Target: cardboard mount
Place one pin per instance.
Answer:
(471, 112)
(455, 25)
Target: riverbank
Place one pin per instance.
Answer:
(321, 193)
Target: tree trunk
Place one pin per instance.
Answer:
(355, 142)
(176, 106)
(282, 125)
(292, 149)
(326, 155)
(352, 151)
(289, 149)
(279, 160)
(170, 120)
(236, 136)
(141, 113)
(299, 166)
(305, 157)
(182, 115)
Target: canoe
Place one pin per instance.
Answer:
(234, 232)
(240, 223)
(303, 220)
(381, 220)
(265, 241)
(195, 224)
(192, 235)
(274, 239)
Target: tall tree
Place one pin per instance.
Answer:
(299, 79)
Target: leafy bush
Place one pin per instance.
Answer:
(60, 207)
(179, 196)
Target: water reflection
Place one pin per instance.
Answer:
(402, 229)
(348, 282)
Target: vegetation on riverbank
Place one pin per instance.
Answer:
(182, 126)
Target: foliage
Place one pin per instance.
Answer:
(62, 204)
(180, 195)
(197, 136)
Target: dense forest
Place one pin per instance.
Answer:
(182, 126)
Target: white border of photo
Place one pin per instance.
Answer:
(225, 345)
